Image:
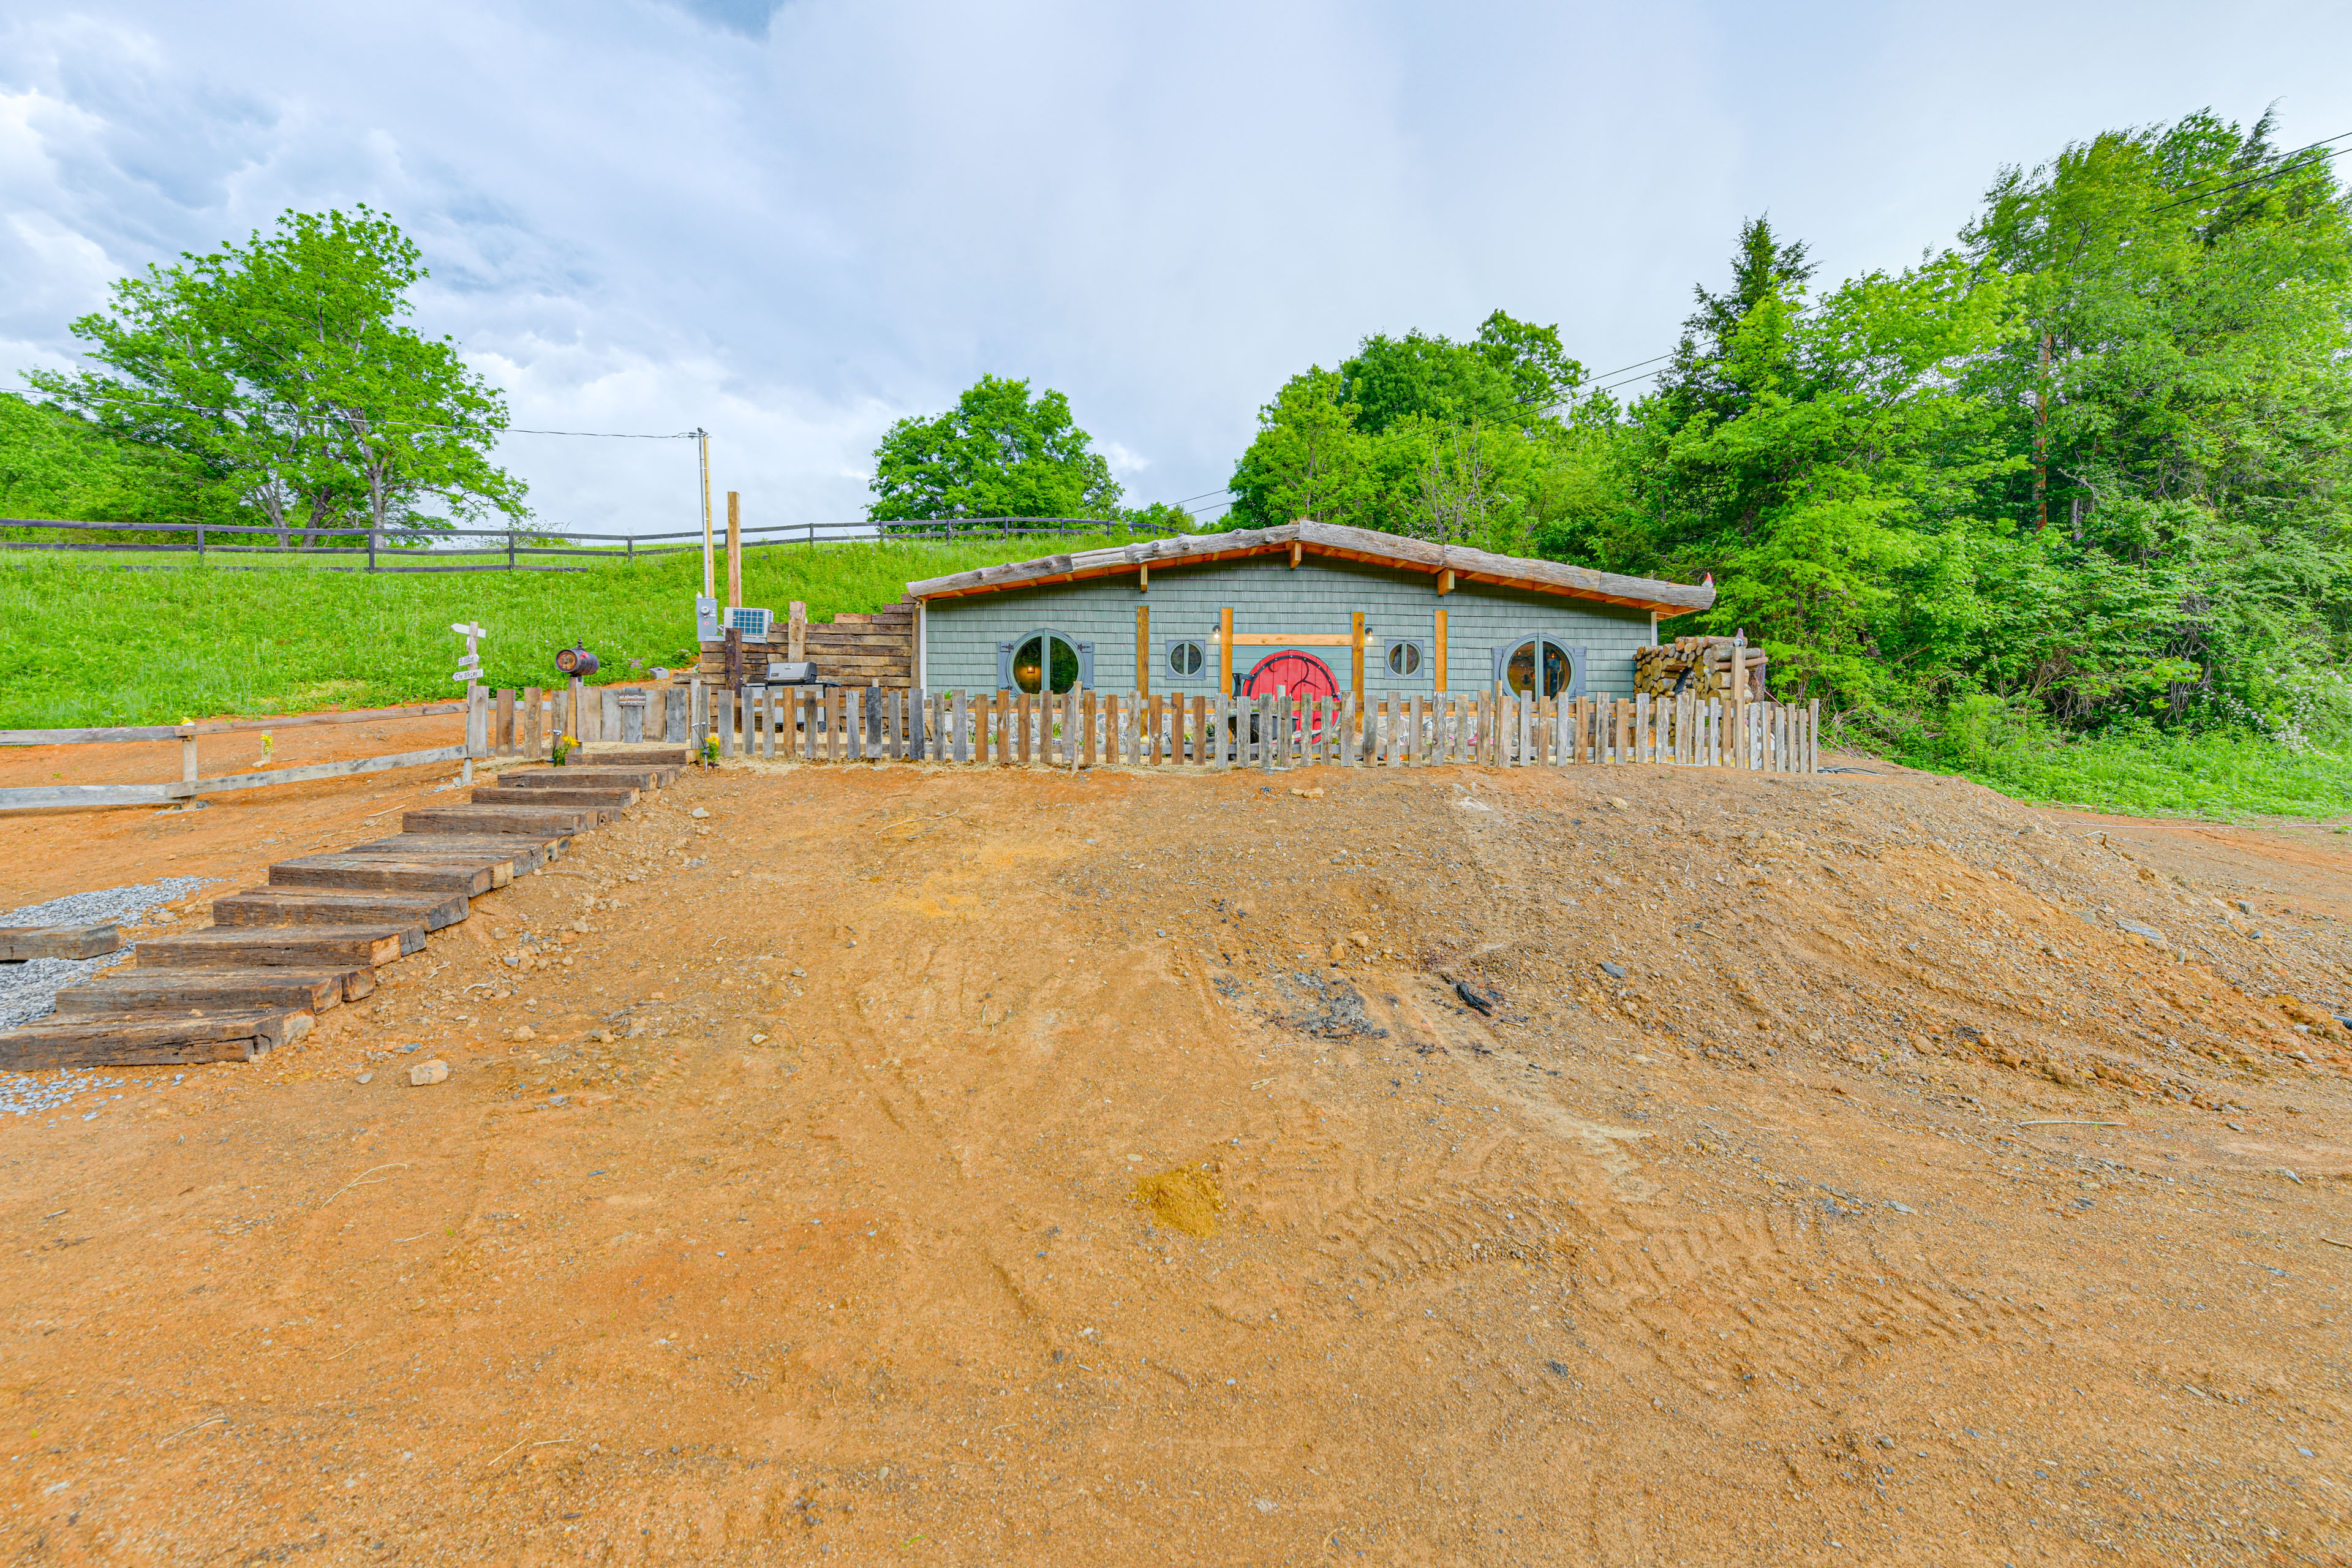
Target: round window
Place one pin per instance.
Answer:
(1404, 659)
(1521, 670)
(1030, 672)
(1186, 659)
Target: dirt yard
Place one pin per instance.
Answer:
(979, 1167)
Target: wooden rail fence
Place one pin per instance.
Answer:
(1006, 729)
(508, 549)
(51, 797)
(1093, 728)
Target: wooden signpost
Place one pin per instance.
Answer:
(469, 671)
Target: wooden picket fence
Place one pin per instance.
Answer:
(1091, 728)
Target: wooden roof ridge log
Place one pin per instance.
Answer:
(1342, 543)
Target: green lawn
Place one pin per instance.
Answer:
(83, 642)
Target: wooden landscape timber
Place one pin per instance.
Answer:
(279, 906)
(134, 990)
(312, 947)
(583, 776)
(73, 1040)
(381, 873)
(19, 943)
(539, 820)
(311, 938)
(519, 850)
(588, 799)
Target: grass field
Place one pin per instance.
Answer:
(2149, 774)
(88, 643)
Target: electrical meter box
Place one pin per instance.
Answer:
(706, 627)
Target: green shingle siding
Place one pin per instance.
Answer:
(1267, 595)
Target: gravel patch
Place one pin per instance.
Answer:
(28, 990)
(31, 1093)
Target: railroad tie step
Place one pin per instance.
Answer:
(302, 907)
(588, 778)
(19, 943)
(587, 797)
(381, 873)
(635, 756)
(145, 1039)
(184, 991)
(498, 819)
(309, 947)
(528, 852)
(502, 865)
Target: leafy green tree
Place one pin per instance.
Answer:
(1763, 268)
(1309, 460)
(1544, 379)
(59, 465)
(999, 452)
(2177, 386)
(1413, 433)
(1389, 379)
(281, 370)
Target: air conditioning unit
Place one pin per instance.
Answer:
(752, 624)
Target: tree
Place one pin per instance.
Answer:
(1543, 377)
(281, 369)
(1309, 460)
(2177, 384)
(1412, 434)
(1762, 268)
(998, 453)
(59, 465)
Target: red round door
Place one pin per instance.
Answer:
(1299, 674)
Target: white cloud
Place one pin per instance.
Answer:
(792, 224)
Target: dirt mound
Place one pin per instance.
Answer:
(1586, 1166)
(1182, 1199)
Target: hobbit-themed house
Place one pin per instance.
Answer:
(1313, 609)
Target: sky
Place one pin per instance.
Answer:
(791, 224)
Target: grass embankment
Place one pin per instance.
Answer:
(85, 643)
(2215, 773)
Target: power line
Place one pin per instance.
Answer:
(397, 423)
(2266, 174)
(1630, 380)
(1635, 365)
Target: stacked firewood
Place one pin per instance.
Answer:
(1696, 666)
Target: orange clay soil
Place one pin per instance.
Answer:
(988, 1167)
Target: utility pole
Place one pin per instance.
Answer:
(2041, 439)
(734, 548)
(709, 568)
